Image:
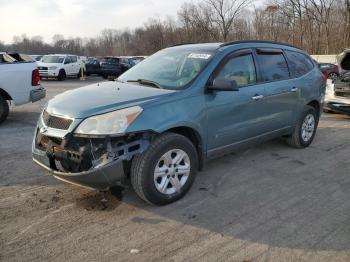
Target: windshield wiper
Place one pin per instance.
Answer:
(146, 82)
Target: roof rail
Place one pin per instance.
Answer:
(257, 41)
(189, 43)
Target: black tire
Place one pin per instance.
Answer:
(4, 109)
(61, 75)
(333, 76)
(296, 140)
(104, 76)
(143, 166)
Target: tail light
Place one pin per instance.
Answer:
(35, 77)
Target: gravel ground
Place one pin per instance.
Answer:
(268, 203)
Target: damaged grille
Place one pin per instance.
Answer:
(77, 154)
(56, 121)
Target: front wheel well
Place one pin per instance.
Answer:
(194, 137)
(5, 95)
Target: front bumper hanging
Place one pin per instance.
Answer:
(97, 163)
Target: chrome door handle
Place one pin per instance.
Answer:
(257, 97)
(294, 89)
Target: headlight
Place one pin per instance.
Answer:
(115, 122)
(52, 67)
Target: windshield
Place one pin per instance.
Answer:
(170, 68)
(52, 59)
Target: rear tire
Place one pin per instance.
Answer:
(166, 170)
(4, 109)
(61, 75)
(305, 130)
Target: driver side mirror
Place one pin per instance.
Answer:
(224, 85)
(66, 62)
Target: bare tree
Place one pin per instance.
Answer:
(224, 12)
(318, 26)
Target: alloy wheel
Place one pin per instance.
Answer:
(172, 171)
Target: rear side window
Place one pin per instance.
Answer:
(73, 59)
(299, 63)
(274, 66)
(241, 69)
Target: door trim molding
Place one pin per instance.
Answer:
(222, 150)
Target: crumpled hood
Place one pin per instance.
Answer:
(101, 98)
(344, 60)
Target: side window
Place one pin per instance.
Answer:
(274, 66)
(73, 59)
(67, 60)
(241, 69)
(299, 63)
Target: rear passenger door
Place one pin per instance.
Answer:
(281, 94)
(68, 65)
(75, 65)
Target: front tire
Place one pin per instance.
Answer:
(4, 109)
(61, 75)
(166, 170)
(305, 130)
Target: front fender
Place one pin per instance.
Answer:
(184, 112)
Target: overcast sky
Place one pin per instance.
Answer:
(83, 18)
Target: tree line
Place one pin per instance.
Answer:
(318, 26)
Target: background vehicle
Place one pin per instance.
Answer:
(93, 67)
(20, 57)
(338, 93)
(60, 66)
(5, 58)
(128, 61)
(19, 83)
(331, 71)
(112, 67)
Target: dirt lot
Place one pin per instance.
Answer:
(268, 203)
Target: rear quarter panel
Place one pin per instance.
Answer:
(313, 88)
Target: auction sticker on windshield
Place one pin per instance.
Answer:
(200, 56)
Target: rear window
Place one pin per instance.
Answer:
(300, 64)
(274, 66)
(111, 60)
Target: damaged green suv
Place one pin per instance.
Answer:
(161, 120)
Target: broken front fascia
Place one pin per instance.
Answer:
(95, 162)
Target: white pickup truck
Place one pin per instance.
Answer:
(19, 83)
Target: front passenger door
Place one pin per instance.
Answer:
(235, 116)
